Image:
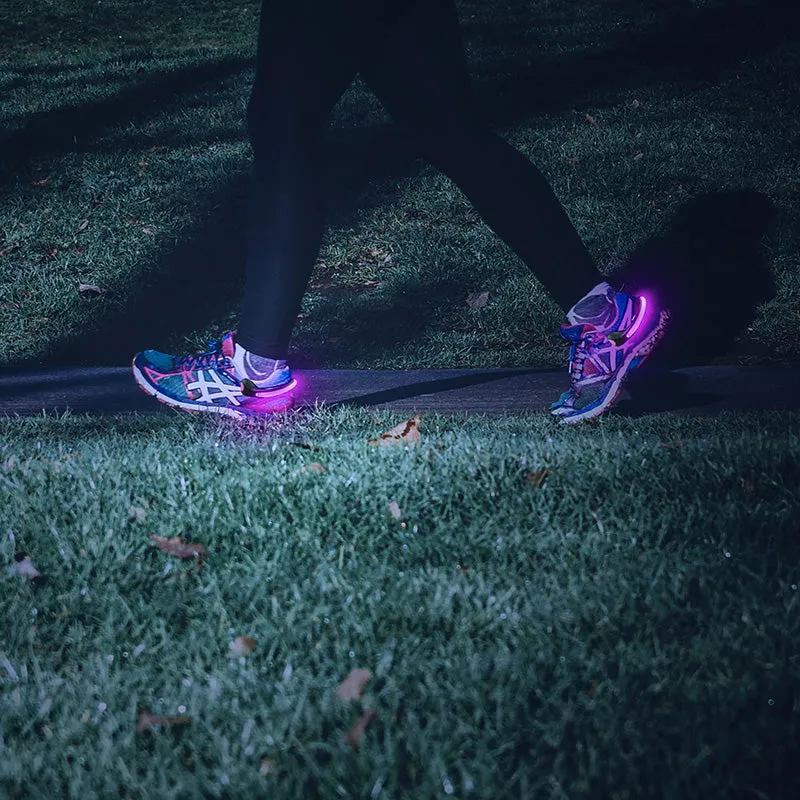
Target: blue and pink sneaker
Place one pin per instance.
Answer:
(209, 382)
(600, 359)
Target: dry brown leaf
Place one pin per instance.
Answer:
(137, 513)
(394, 510)
(6, 250)
(84, 225)
(267, 767)
(314, 466)
(177, 547)
(477, 299)
(353, 736)
(352, 687)
(242, 646)
(405, 433)
(42, 182)
(91, 290)
(537, 478)
(638, 157)
(590, 119)
(146, 722)
(148, 231)
(25, 568)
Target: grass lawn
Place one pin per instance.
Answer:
(626, 628)
(607, 611)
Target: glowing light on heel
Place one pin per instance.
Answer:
(639, 319)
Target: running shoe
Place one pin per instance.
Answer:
(600, 359)
(209, 382)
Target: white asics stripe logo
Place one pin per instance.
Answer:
(208, 382)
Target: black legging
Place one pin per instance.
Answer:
(411, 56)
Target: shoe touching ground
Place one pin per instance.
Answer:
(601, 359)
(209, 382)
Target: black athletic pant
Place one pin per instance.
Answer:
(410, 54)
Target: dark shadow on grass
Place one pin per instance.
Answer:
(710, 270)
(73, 128)
(201, 280)
(684, 46)
(431, 387)
(198, 281)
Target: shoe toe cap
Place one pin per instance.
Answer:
(163, 362)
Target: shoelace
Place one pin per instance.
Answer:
(211, 358)
(579, 352)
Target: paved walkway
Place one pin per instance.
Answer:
(693, 390)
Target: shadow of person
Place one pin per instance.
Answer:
(710, 270)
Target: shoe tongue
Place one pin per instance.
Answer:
(574, 333)
(228, 345)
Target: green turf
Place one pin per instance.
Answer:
(628, 629)
(131, 173)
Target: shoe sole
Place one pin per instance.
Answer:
(148, 388)
(642, 352)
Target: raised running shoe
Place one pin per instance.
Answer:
(601, 359)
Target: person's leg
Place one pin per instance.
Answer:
(421, 77)
(308, 53)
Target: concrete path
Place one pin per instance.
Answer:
(693, 390)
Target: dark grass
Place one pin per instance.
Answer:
(628, 629)
(687, 182)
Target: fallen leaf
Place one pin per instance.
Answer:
(137, 513)
(177, 547)
(635, 103)
(314, 466)
(242, 646)
(10, 463)
(149, 231)
(267, 767)
(394, 510)
(146, 722)
(84, 225)
(477, 299)
(536, 479)
(91, 290)
(6, 250)
(352, 687)
(638, 157)
(590, 119)
(405, 433)
(462, 569)
(42, 182)
(25, 568)
(353, 737)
